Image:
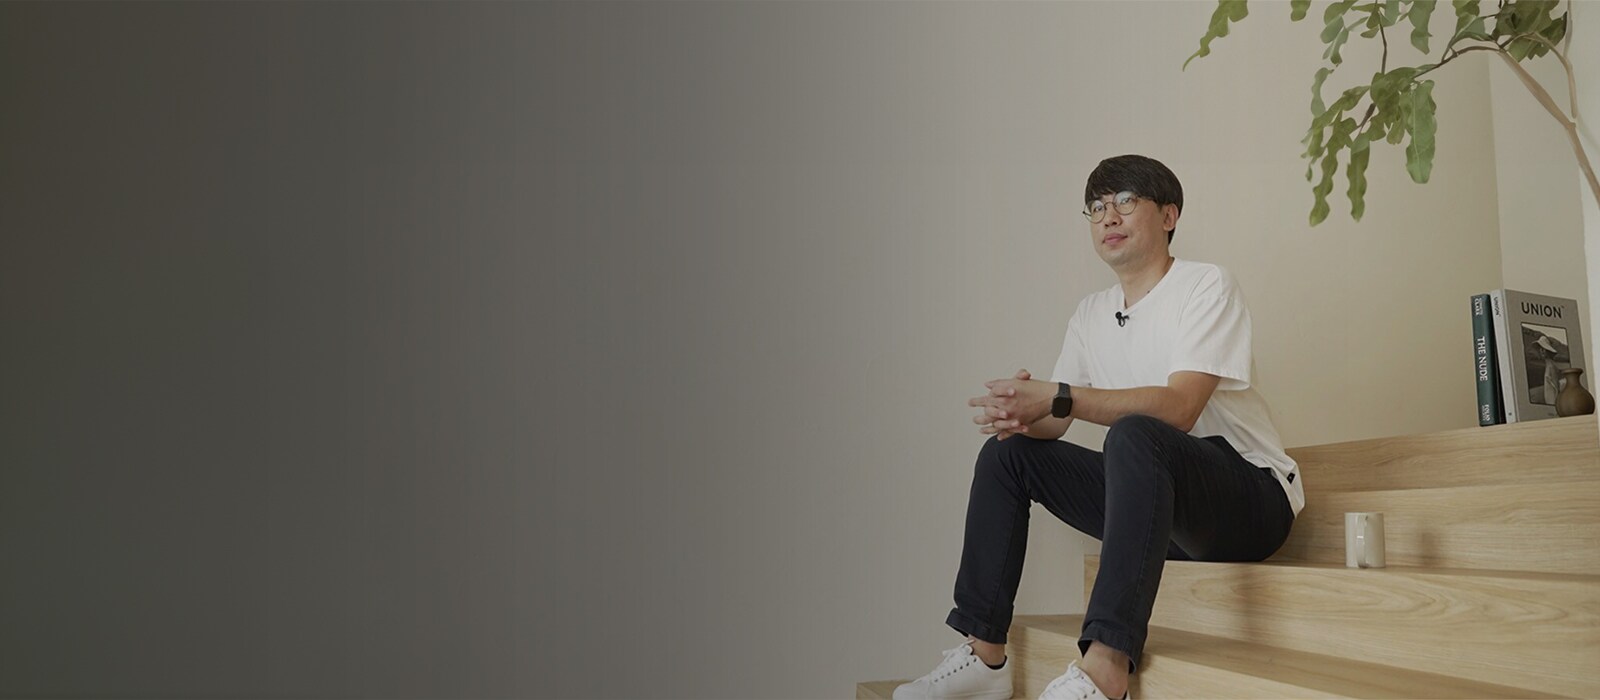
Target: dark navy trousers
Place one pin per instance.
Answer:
(1156, 493)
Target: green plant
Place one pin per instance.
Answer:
(1399, 101)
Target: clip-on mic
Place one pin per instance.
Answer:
(1122, 319)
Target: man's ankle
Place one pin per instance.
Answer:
(1106, 678)
(988, 652)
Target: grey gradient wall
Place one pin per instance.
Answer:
(615, 349)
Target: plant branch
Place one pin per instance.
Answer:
(1383, 66)
(1371, 108)
(1453, 57)
(1566, 39)
(1568, 125)
(1572, 88)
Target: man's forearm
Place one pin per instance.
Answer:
(1048, 428)
(1105, 406)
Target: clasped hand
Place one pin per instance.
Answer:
(1012, 404)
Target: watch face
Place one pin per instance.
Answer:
(1061, 406)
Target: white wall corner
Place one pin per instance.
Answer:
(1584, 55)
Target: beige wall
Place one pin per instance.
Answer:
(1584, 52)
(1550, 226)
(1541, 217)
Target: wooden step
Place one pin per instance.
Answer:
(1555, 450)
(1523, 629)
(1540, 526)
(1183, 664)
(876, 690)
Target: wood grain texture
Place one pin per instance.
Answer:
(876, 690)
(1182, 664)
(1539, 631)
(1560, 449)
(1542, 527)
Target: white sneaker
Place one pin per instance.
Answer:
(1075, 685)
(961, 675)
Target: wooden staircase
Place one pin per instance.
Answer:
(1492, 588)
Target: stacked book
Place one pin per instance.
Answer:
(1520, 344)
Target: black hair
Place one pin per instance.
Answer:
(1145, 177)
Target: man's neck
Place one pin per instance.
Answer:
(1137, 282)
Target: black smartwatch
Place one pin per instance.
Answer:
(1061, 407)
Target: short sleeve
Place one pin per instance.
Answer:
(1214, 333)
(1072, 366)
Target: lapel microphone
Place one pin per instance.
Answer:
(1122, 319)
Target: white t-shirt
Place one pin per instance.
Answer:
(1194, 319)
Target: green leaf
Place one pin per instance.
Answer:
(1386, 87)
(1356, 171)
(1400, 123)
(1319, 210)
(1347, 99)
(1419, 153)
(1373, 24)
(1556, 31)
(1523, 17)
(1313, 140)
(1362, 141)
(1391, 13)
(1317, 108)
(1520, 48)
(1421, 10)
(1466, 12)
(1333, 19)
(1332, 54)
(1340, 137)
(1553, 34)
(1227, 11)
(1313, 152)
(1297, 9)
(1529, 16)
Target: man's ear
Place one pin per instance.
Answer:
(1169, 216)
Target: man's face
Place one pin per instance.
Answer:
(1135, 238)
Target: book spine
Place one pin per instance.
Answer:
(1484, 368)
(1502, 353)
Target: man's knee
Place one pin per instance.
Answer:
(1136, 428)
(1001, 454)
(1135, 441)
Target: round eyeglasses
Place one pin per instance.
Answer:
(1124, 201)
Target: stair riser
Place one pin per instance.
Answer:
(1508, 630)
(1564, 449)
(1551, 528)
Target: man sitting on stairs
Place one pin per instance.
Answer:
(1192, 467)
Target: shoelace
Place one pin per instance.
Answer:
(1083, 687)
(954, 660)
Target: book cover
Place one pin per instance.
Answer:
(1502, 357)
(1486, 371)
(1544, 337)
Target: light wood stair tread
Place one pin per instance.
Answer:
(1175, 659)
(1179, 663)
(876, 690)
(1539, 630)
(1391, 569)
